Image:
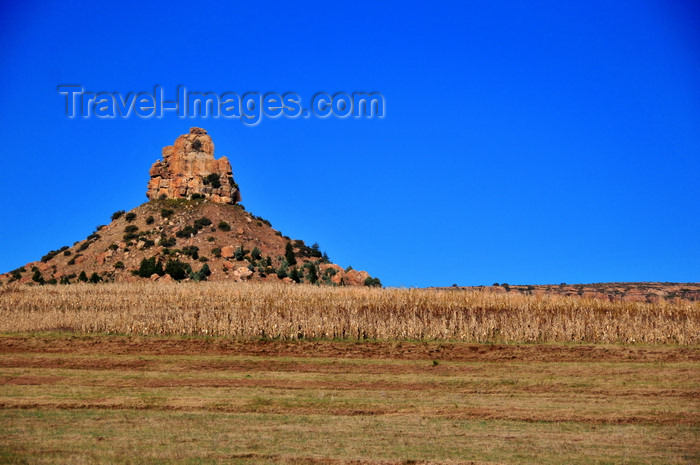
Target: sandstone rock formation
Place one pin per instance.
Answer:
(139, 244)
(188, 168)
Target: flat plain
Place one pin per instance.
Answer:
(67, 398)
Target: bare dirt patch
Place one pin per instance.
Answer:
(131, 345)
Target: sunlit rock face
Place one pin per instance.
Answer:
(188, 168)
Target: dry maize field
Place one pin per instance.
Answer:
(276, 311)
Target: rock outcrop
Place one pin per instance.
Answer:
(142, 243)
(188, 168)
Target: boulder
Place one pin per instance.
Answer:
(332, 266)
(242, 272)
(227, 252)
(41, 266)
(338, 278)
(355, 278)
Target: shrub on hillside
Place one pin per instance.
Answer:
(224, 226)
(53, 253)
(202, 222)
(130, 217)
(149, 267)
(178, 270)
(37, 278)
(202, 274)
(214, 180)
(262, 220)
(191, 251)
(187, 231)
(116, 215)
(191, 230)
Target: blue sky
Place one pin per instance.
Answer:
(523, 142)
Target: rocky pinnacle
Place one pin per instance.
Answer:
(188, 168)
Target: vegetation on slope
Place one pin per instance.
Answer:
(187, 240)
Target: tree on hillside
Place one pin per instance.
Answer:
(313, 273)
(289, 254)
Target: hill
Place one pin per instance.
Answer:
(192, 228)
(652, 292)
